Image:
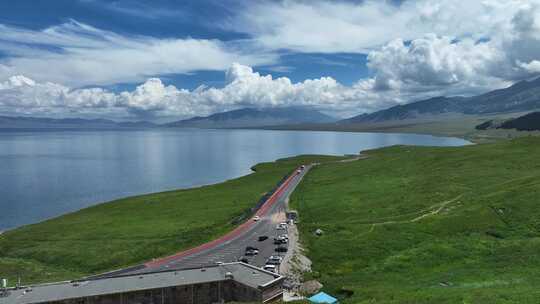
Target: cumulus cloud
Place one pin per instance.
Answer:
(452, 65)
(435, 62)
(244, 88)
(22, 95)
(357, 27)
(416, 50)
(320, 26)
(521, 43)
(78, 54)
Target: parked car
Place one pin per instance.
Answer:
(275, 257)
(263, 238)
(302, 167)
(274, 260)
(271, 268)
(281, 226)
(279, 241)
(283, 237)
(251, 252)
(281, 249)
(243, 260)
(257, 218)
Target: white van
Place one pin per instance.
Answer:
(269, 267)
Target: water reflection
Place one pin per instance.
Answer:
(45, 174)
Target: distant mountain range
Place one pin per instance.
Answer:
(523, 96)
(69, 123)
(250, 117)
(520, 97)
(528, 122)
(242, 118)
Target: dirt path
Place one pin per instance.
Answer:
(294, 264)
(358, 157)
(433, 210)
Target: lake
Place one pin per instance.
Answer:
(48, 173)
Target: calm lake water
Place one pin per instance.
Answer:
(47, 173)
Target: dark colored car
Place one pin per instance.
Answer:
(263, 238)
(279, 241)
(243, 260)
(273, 262)
(251, 248)
(281, 249)
(250, 252)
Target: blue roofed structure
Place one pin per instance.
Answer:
(323, 297)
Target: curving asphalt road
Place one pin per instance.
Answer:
(231, 246)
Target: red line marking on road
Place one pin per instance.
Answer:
(229, 236)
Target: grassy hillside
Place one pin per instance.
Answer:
(443, 125)
(427, 225)
(135, 229)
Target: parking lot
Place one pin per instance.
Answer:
(234, 249)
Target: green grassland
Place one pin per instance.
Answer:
(443, 125)
(136, 229)
(427, 225)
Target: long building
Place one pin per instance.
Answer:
(237, 282)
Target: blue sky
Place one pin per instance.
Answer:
(177, 19)
(176, 59)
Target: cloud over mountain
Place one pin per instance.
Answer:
(414, 50)
(462, 65)
(153, 98)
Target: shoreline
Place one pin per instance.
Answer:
(252, 170)
(137, 230)
(195, 186)
(133, 196)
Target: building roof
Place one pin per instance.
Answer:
(242, 273)
(323, 297)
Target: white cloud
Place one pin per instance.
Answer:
(521, 43)
(417, 49)
(320, 26)
(450, 65)
(77, 54)
(24, 95)
(531, 67)
(435, 63)
(357, 27)
(245, 88)
(420, 49)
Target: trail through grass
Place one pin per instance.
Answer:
(427, 225)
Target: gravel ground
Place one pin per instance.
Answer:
(294, 264)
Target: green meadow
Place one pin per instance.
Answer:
(136, 229)
(405, 225)
(427, 225)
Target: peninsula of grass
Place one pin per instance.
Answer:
(427, 225)
(133, 230)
